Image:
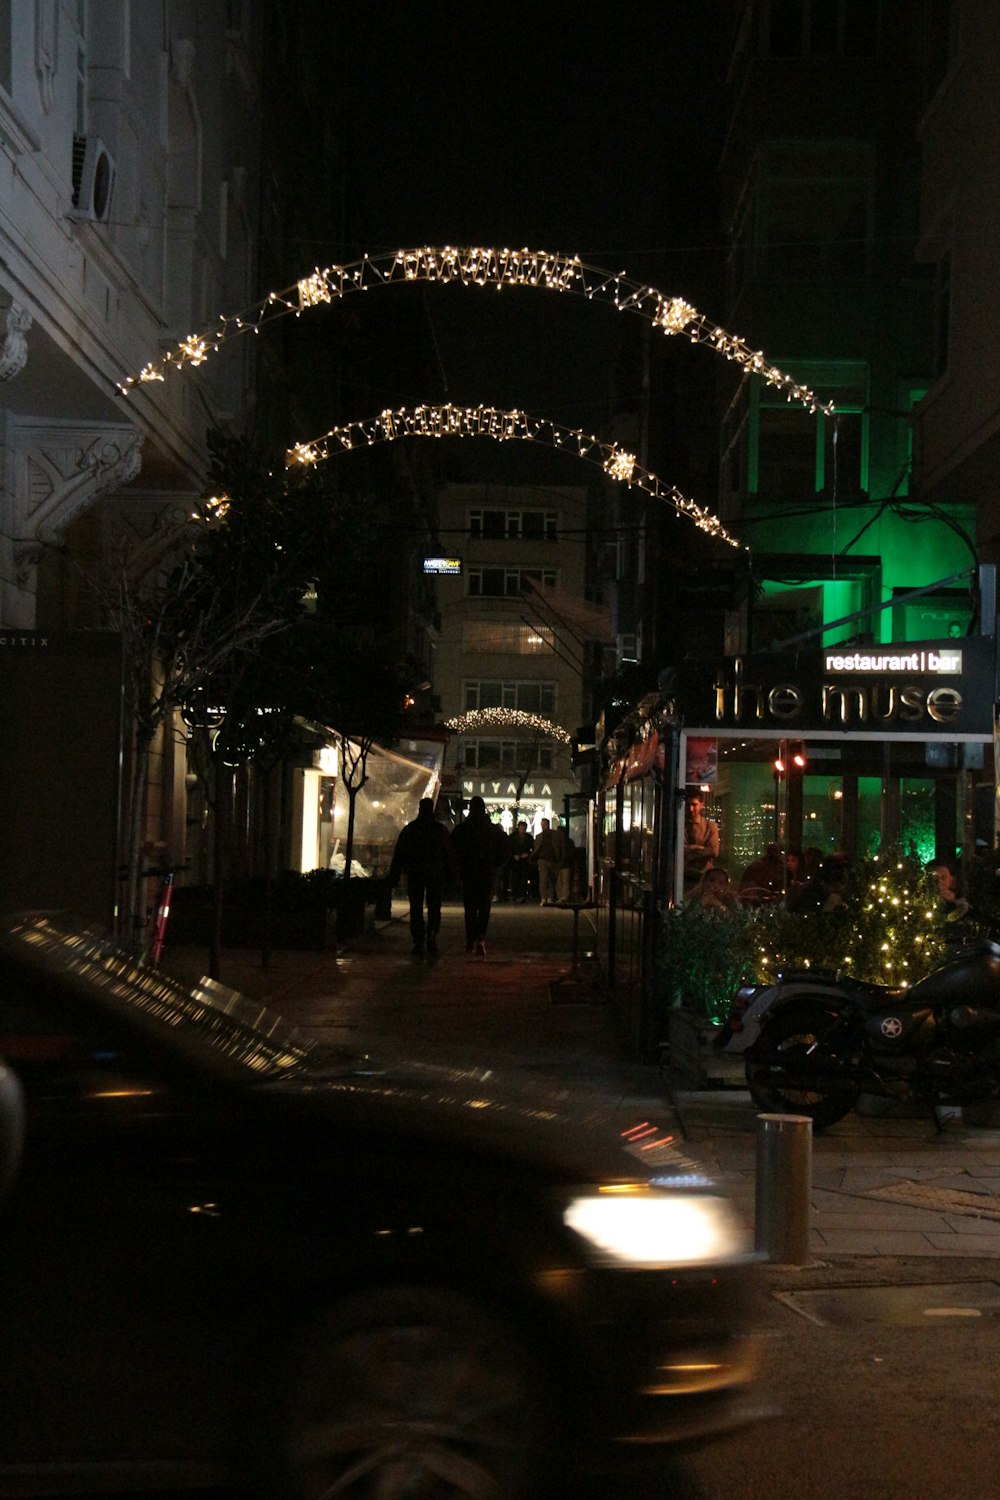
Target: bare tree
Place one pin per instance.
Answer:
(180, 631)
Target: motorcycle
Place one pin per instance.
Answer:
(813, 1042)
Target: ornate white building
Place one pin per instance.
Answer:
(130, 141)
(129, 138)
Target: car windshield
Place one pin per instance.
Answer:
(208, 1015)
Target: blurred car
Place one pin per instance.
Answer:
(228, 1255)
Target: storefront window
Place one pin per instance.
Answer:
(853, 795)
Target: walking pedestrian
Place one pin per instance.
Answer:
(480, 847)
(424, 854)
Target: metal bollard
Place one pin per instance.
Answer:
(784, 1185)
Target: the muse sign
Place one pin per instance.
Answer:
(922, 687)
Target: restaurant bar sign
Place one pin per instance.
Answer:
(924, 687)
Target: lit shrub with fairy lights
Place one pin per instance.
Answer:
(889, 929)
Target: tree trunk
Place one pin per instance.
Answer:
(267, 934)
(223, 777)
(135, 905)
(352, 797)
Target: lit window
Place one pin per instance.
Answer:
(498, 637)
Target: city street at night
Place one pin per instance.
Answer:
(499, 750)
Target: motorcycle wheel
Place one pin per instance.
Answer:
(783, 1042)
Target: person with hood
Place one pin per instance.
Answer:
(423, 853)
(481, 847)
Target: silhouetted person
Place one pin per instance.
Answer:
(424, 854)
(763, 879)
(825, 892)
(714, 892)
(521, 845)
(480, 847)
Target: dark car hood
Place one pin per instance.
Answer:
(577, 1134)
(235, 1044)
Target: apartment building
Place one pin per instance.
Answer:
(513, 664)
(957, 445)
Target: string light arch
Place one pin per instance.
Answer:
(507, 718)
(502, 426)
(479, 266)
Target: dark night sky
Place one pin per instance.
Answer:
(585, 130)
(581, 136)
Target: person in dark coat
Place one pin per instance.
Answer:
(826, 891)
(521, 845)
(481, 847)
(424, 854)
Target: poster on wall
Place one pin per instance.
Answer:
(702, 761)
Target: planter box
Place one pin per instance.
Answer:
(299, 918)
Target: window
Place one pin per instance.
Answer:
(513, 525)
(797, 599)
(529, 697)
(508, 583)
(797, 454)
(814, 208)
(498, 638)
(507, 755)
(5, 44)
(823, 28)
(80, 116)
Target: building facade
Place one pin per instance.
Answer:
(129, 202)
(855, 178)
(513, 666)
(957, 448)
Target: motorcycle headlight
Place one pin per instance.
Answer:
(651, 1229)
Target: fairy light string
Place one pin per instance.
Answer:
(501, 425)
(479, 266)
(506, 718)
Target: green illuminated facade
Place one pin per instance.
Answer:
(820, 193)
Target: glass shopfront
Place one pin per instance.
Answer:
(848, 749)
(821, 795)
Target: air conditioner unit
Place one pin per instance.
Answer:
(93, 179)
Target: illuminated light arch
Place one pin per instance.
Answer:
(482, 266)
(506, 718)
(504, 426)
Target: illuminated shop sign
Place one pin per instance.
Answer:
(488, 789)
(926, 687)
(880, 663)
(449, 565)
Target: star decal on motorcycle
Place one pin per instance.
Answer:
(892, 1026)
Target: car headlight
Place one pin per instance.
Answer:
(643, 1227)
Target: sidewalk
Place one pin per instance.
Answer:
(881, 1185)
